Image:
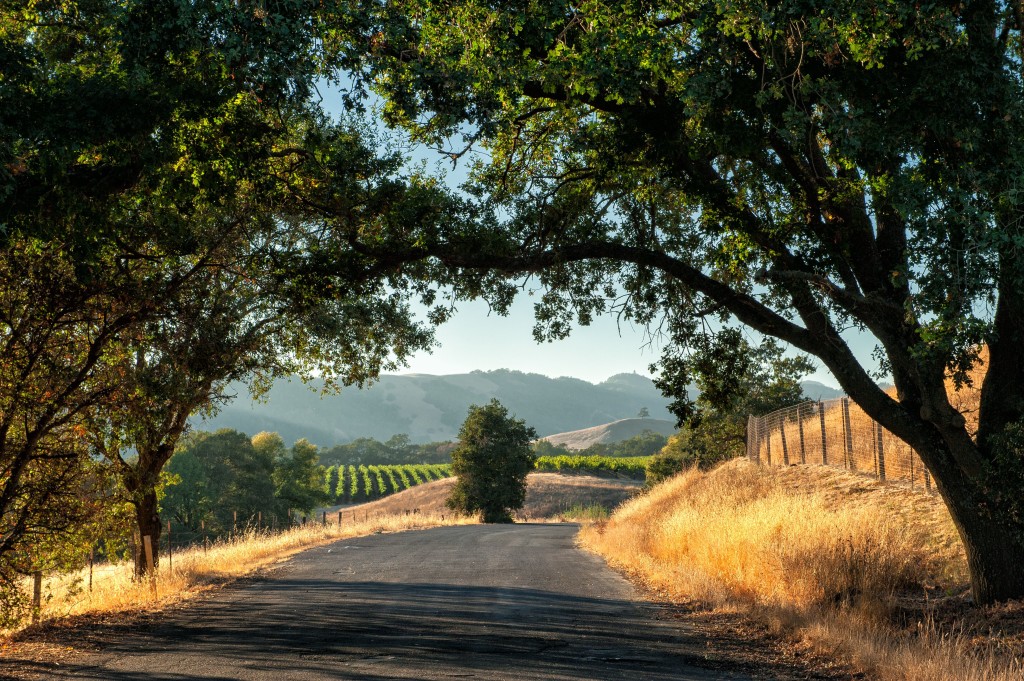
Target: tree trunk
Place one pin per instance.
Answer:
(148, 520)
(993, 543)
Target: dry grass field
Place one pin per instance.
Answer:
(871, 573)
(548, 495)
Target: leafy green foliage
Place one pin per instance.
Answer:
(735, 381)
(217, 476)
(491, 463)
(225, 478)
(626, 466)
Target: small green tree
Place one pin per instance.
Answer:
(735, 380)
(491, 463)
(298, 476)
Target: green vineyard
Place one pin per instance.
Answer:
(356, 484)
(621, 466)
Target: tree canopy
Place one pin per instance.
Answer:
(803, 169)
(161, 171)
(734, 381)
(491, 463)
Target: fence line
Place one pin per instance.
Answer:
(834, 433)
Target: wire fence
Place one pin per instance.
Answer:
(834, 433)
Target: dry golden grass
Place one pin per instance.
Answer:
(547, 496)
(829, 557)
(194, 570)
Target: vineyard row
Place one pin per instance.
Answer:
(356, 484)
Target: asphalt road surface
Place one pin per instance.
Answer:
(476, 602)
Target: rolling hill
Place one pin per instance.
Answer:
(431, 408)
(616, 431)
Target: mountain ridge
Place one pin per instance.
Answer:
(431, 407)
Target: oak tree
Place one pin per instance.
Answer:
(801, 168)
(491, 463)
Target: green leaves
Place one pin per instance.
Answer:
(491, 463)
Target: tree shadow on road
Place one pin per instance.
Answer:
(421, 630)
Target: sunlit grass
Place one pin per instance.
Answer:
(820, 553)
(116, 590)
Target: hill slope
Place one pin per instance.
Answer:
(616, 431)
(547, 494)
(431, 408)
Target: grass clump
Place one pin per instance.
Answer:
(585, 513)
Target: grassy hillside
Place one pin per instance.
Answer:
(609, 433)
(547, 495)
(869, 572)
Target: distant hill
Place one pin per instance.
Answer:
(431, 408)
(819, 391)
(609, 433)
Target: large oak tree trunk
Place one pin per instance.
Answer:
(993, 541)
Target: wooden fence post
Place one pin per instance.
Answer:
(92, 559)
(325, 517)
(752, 444)
(147, 543)
(880, 463)
(848, 432)
(824, 439)
(339, 518)
(37, 595)
(768, 445)
(785, 448)
(800, 428)
(170, 550)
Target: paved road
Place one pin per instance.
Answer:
(477, 602)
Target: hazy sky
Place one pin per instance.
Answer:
(475, 340)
